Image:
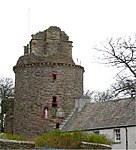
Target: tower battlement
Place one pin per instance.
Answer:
(51, 45)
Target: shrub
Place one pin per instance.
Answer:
(64, 140)
(58, 139)
(98, 138)
(12, 137)
(69, 140)
(40, 141)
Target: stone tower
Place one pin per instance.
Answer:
(46, 78)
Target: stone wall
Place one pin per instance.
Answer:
(51, 41)
(51, 44)
(35, 86)
(12, 144)
(93, 146)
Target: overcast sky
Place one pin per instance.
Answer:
(86, 22)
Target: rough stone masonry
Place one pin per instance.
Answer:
(46, 78)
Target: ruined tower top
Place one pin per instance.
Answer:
(52, 33)
(51, 45)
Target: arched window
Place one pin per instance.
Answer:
(45, 113)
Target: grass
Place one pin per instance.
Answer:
(98, 138)
(12, 137)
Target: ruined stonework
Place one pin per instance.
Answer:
(46, 78)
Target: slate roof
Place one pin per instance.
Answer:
(102, 115)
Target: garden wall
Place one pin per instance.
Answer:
(93, 146)
(12, 144)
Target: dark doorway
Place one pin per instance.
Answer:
(54, 101)
(57, 125)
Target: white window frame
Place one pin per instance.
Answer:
(117, 135)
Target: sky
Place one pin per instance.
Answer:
(86, 22)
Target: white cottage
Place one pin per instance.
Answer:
(115, 118)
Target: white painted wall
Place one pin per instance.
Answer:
(122, 145)
(132, 137)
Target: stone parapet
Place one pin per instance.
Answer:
(93, 146)
(42, 64)
(12, 144)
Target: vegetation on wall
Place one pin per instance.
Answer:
(12, 137)
(58, 139)
(98, 138)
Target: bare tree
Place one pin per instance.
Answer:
(6, 98)
(120, 53)
(99, 96)
(124, 87)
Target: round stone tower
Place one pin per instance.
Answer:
(46, 79)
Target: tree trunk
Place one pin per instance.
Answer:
(2, 117)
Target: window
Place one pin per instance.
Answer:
(117, 135)
(54, 101)
(96, 132)
(57, 125)
(54, 76)
(45, 113)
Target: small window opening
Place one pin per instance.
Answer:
(57, 125)
(54, 101)
(46, 112)
(54, 76)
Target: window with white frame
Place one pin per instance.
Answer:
(117, 135)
